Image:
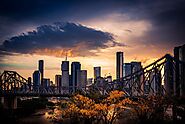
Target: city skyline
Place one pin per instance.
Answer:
(92, 61)
(144, 31)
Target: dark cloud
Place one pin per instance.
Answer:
(167, 19)
(166, 16)
(58, 38)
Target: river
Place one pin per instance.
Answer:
(36, 118)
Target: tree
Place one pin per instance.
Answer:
(105, 111)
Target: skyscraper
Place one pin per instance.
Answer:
(119, 64)
(41, 69)
(97, 72)
(36, 79)
(46, 82)
(78, 81)
(83, 78)
(75, 66)
(127, 69)
(65, 75)
(29, 83)
(70, 84)
(58, 82)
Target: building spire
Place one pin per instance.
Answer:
(66, 56)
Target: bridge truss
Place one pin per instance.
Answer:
(166, 76)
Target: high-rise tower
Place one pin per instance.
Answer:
(97, 72)
(36, 79)
(119, 65)
(41, 69)
(75, 67)
(65, 75)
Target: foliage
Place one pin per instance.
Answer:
(106, 111)
(150, 109)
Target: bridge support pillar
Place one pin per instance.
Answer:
(10, 102)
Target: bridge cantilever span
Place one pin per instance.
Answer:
(163, 77)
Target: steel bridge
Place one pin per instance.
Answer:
(165, 76)
(12, 83)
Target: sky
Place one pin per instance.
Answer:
(88, 31)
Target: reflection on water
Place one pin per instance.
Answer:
(36, 118)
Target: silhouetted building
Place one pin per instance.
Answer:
(70, 84)
(65, 76)
(83, 78)
(127, 69)
(75, 66)
(41, 69)
(46, 82)
(29, 83)
(97, 72)
(78, 80)
(58, 82)
(119, 65)
(36, 80)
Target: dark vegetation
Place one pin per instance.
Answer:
(25, 108)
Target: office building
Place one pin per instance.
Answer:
(119, 65)
(97, 72)
(29, 83)
(58, 82)
(65, 76)
(75, 66)
(41, 69)
(70, 84)
(46, 82)
(36, 79)
(78, 80)
(83, 78)
(127, 69)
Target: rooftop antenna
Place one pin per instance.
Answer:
(66, 56)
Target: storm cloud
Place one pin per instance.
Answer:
(58, 38)
(166, 16)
